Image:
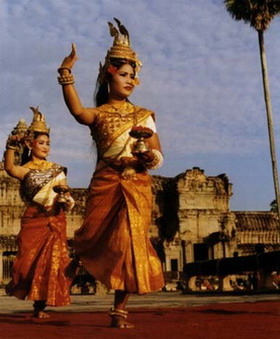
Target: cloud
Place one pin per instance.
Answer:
(201, 75)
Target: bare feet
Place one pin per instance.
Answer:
(120, 322)
(39, 306)
(40, 314)
(119, 318)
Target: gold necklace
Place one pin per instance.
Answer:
(41, 165)
(122, 108)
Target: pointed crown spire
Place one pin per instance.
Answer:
(121, 49)
(38, 123)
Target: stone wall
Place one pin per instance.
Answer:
(191, 220)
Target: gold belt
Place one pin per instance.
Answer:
(128, 172)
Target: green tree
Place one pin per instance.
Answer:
(259, 14)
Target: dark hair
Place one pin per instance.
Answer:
(101, 93)
(26, 156)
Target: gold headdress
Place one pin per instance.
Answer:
(120, 50)
(38, 123)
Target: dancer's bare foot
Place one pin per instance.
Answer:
(119, 319)
(40, 314)
(119, 322)
(39, 306)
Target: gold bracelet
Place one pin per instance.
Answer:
(11, 147)
(156, 162)
(66, 79)
(11, 144)
(64, 67)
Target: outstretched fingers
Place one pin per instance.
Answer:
(69, 61)
(73, 53)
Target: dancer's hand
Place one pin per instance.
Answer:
(70, 60)
(14, 141)
(145, 157)
(130, 161)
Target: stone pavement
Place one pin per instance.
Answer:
(158, 315)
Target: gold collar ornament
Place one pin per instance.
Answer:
(120, 50)
(41, 165)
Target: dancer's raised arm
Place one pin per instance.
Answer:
(11, 168)
(82, 114)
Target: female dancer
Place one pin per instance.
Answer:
(113, 242)
(38, 270)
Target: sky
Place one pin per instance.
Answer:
(201, 75)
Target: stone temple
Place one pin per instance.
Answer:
(191, 221)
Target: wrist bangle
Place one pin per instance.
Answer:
(64, 67)
(156, 162)
(11, 147)
(11, 144)
(66, 79)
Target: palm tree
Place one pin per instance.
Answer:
(259, 14)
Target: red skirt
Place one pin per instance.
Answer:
(39, 268)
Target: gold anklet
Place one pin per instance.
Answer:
(118, 313)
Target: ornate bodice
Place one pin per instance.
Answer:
(113, 120)
(36, 179)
